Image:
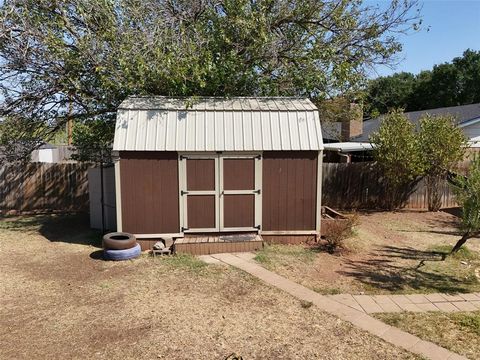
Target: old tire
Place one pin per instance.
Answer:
(119, 241)
(124, 254)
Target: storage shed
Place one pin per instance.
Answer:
(201, 168)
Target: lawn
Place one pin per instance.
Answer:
(458, 332)
(59, 300)
(390, 252)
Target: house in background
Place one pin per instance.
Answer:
(349, 141)
(467, 116)
(49, 153)
(199, 171)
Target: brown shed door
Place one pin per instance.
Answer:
(201, 194)
(221, 192)
(237, 199)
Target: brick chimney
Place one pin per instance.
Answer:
(352, 126)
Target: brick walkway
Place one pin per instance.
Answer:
(417, 303)
(346, 308)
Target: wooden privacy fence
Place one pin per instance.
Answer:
(43, 187)
(362, 186)
(64, 187)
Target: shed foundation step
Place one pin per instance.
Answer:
(205, 245)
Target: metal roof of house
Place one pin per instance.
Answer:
(463, 114)
(217, 124)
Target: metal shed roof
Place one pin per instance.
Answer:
(217, 124)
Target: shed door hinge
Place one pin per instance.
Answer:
(258, 227)
(184, 228)
(183, 193)
(257, 191)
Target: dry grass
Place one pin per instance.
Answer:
(58, 300)
(458, 332)
(401, 252)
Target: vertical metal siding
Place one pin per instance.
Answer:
(267, 126)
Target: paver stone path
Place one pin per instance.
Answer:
(356, 308)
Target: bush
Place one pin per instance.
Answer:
(338, 232)
(397, 151)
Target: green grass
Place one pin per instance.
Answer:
(470, 322)
(327, 290)
(458, 332)
(404, 271)
(272, 255)
(464, 253)
(68, 228)
(184, 262)
(24, 223)
(456, 273)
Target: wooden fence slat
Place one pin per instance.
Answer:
(44, 187)
(57, 187)
(360, 186)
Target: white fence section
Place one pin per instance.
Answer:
(94, 184)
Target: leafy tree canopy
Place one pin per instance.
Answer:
(467, 194)
(93, 53)
(405, 154)
(396, 149)
(93, 141)
(448, 84)
(442, 145)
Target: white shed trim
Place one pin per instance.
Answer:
(118, 196)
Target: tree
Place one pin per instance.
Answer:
(442, 145)
(396, 150)
(441, 88)
(389, 92)
(27, 134)
(90, 55)
(469, 79)
(422, 94)
(467, 191)
(448, 84)
(93, 141)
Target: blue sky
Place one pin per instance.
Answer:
(454, 26)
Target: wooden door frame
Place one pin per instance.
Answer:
(257, 157)
(183, 192)
(218, 157)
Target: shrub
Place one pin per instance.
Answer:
(396, 150)
(338, 232)
(442, 144)
(467, 194)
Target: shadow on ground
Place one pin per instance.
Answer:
(386, 271)
(72, 228)
(97, 255)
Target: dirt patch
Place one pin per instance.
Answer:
(391, 252)
(457, 332)
(59, 302)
